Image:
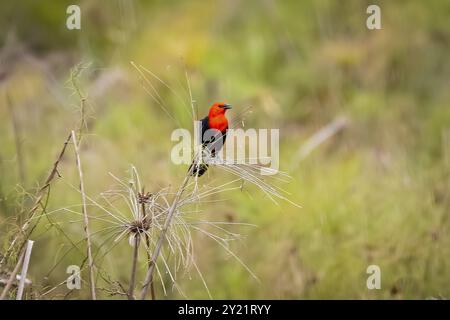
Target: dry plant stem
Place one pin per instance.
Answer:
(152, 284)
(135, 256)
(133, 268)
(12, 276)
(86, 220)
(162, 237)
(38, 203)
(17, 139)
(25, 265)
(147, 241)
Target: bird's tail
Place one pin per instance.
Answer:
(198, 166)
(198, 169)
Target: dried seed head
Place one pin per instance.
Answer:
(139, 226)
(144, 197)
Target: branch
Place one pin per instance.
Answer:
(38, 203)
(86, 220)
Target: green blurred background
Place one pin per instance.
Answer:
(378, 192)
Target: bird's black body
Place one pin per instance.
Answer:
(208, 143)
(205, 127)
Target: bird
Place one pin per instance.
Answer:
(217, 120)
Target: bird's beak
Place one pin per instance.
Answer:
(226, 106)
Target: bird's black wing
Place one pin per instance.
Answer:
(224, 136)
(205, 126)
(199, 169)
(212, 140)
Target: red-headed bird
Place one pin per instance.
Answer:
(213, 141)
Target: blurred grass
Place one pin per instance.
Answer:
(377, 193)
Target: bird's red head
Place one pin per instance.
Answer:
(216, 117)
(218, 108)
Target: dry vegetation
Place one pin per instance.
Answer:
(365, 135)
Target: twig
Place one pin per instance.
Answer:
(23, 274)
(162, 237)
(75, 72)
(37, 204)
(12, 276)
(112, 292)
(86, 220)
